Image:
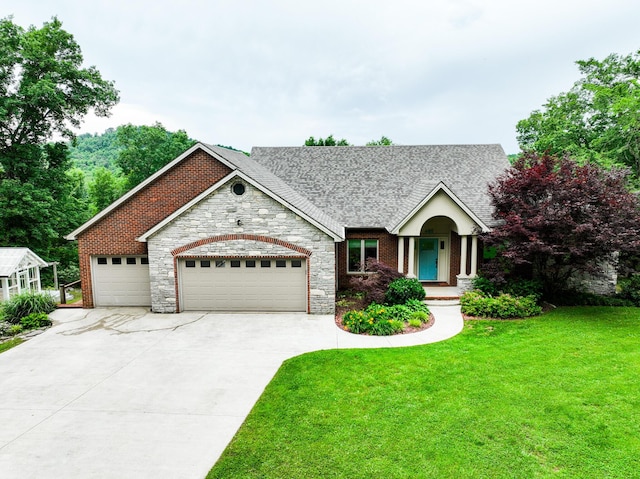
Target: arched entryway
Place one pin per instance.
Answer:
(433, 255)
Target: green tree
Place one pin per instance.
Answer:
(556, 218)
(44, 92)
(104, 189)
(328, 141)
(597, 120)
(383, 141)
(146, 149)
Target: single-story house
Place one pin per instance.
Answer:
(19, 272)
(283, 229)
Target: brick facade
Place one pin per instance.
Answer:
(387, 251)
(116, 233)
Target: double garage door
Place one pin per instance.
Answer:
(243, 284)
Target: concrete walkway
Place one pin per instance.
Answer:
(123, 393)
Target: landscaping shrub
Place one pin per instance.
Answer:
(514, 287)
(376, 282)
(583, 298)
(26, 303)
(403, 289)
(504, 306)
(420, 316)
(485, 285)
(35, 321)
(15, 329)
(382, 320)
(356, 321)
(524, 287)
(414, 323)
(417, 305)
(630, 290)
(386, 327)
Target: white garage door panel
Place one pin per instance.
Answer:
(259, 288)
(124, 284)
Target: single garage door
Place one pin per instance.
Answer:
(243, 284)
(121, 281)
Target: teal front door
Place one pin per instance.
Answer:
(428, 259)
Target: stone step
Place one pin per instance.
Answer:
(442, 301)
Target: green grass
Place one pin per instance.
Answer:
(555, 396)
(10, 343)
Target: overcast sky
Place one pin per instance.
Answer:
(249, 73)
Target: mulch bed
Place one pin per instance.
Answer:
(361, 304)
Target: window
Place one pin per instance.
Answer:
(116, 260)
(205, 263)
(131, 261)
(359, 250)
(265, 263)
(235, 263)
(144, 260)
(281, 263)
(296, 263)
(220, 263)
(102, 260)
(238, 189)
(190, 263)
(251, 263)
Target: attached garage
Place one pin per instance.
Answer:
(243, 284)
(121, 281)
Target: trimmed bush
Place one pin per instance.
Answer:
(402, 290)
(26, 303)
(630, 289)
(504, 306)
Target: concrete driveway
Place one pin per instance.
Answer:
(124, 393)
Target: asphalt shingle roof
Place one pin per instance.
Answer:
(378, 186)
(14, 259)
(278, 186)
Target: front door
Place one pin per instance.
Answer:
(428, 259)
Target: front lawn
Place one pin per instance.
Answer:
(553, 396)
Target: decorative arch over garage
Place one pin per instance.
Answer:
(242, 236)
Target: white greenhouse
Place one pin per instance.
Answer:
(19, 271)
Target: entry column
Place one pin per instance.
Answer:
(463, 256)
(411, 273)
(474, 256)
(400, 254)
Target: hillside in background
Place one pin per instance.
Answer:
(94, 151)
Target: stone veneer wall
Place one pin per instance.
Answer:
(260, 217)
